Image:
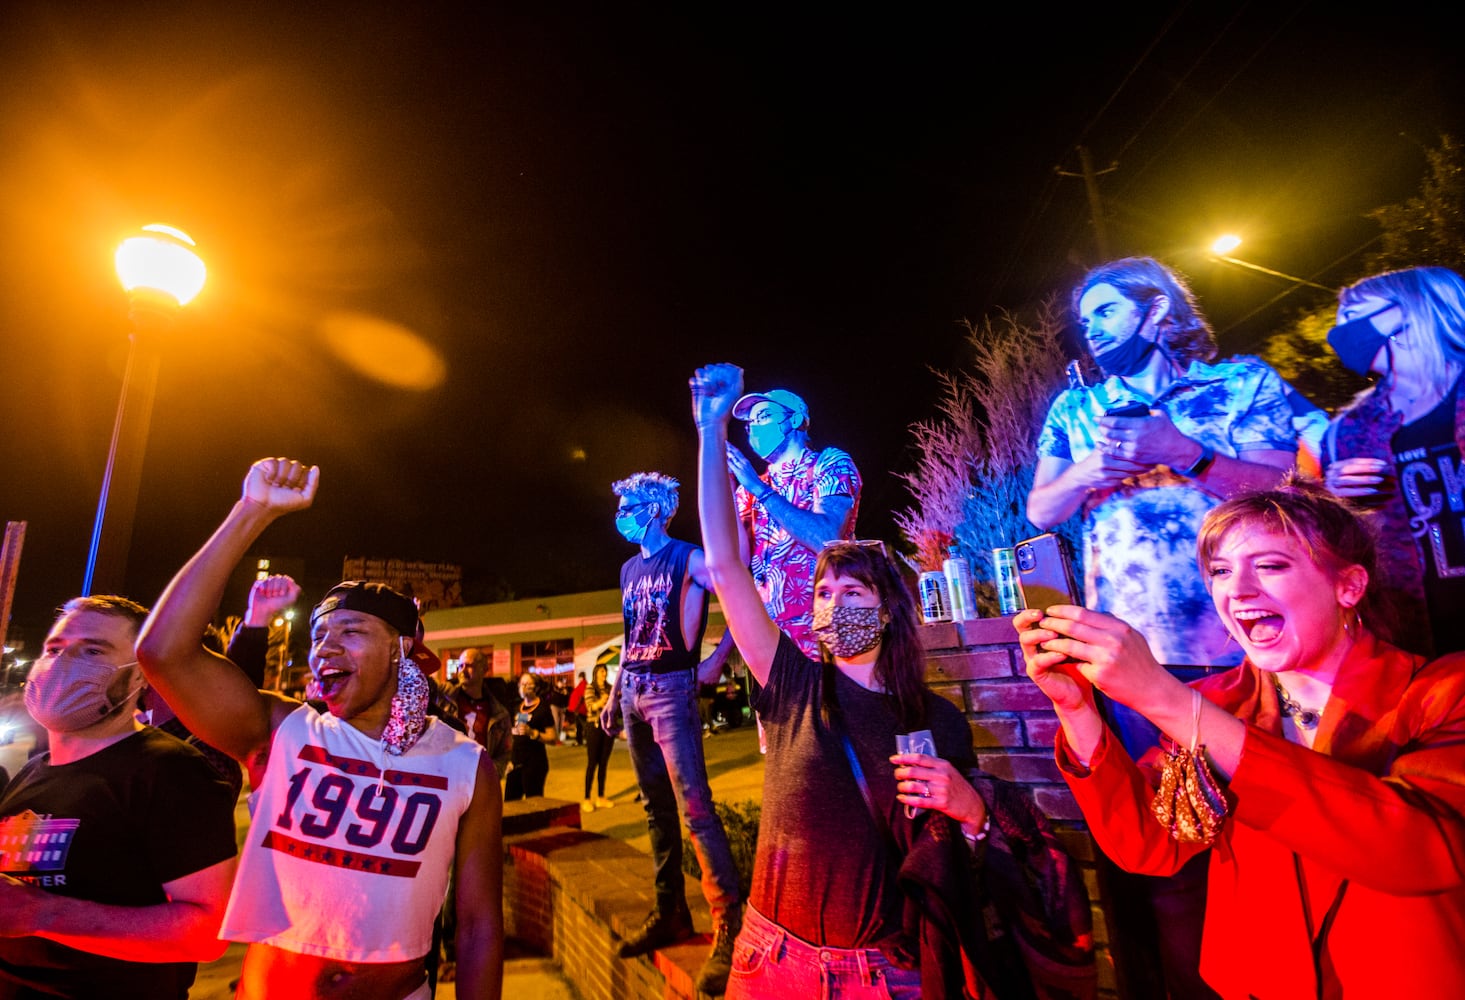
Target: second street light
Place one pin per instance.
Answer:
(161, 273)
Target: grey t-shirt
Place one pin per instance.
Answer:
(822, 871)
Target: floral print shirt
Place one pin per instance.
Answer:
(783, 567)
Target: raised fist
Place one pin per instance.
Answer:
(715, 388)
(269, 597)
(280, 485)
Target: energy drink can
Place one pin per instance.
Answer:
(959, 586)
(935, 600)
(1004, 571)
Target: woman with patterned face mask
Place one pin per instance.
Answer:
(1395, 452)
(841, 815)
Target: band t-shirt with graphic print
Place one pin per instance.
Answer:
(783, 567)
(1432, 480)
(651, 605)
(113, 827)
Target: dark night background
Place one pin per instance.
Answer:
(565, 209)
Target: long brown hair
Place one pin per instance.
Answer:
(1184, 333)
(900, 668)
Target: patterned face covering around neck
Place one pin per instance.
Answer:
(409, 709)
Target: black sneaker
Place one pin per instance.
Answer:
(712, 980)
(658, 931)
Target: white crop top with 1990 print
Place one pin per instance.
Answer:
(341, 862)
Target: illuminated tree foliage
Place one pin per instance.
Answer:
(976, 459)
(1426, 230)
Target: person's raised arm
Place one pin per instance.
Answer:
(714, 390)
(212, 697)
(478, 875)
(250, 642)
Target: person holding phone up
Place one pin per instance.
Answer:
(1328, 769)
(826, 910)
(1142, 456)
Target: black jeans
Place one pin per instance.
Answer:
(598, 744)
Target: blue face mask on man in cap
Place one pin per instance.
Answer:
(766, 438)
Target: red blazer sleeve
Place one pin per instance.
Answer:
(1115, 795)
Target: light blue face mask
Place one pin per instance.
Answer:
(632, 525)
(766, 439)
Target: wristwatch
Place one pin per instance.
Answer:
(1203, 462)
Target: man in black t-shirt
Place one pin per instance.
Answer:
(664, 597)
(117, 846)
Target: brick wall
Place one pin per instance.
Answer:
(573, 895)
(977, 666)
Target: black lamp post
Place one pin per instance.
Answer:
(161, 274)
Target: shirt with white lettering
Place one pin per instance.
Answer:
(1432, 482)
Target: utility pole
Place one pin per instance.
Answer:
(1096, 205)
(9, 568)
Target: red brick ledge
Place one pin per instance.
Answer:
(574, 895)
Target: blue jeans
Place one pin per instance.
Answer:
(769, 963)
(664, 731)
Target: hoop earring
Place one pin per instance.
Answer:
(1352, 623)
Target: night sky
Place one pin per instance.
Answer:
(556, 212)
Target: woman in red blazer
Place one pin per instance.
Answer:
(1340, 869)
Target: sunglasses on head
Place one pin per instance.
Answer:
(864, 543)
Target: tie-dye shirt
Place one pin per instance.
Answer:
(1139, 537)
(783, 568)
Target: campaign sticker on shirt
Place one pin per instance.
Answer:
(31, 843)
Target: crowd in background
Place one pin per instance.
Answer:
(1261, 698)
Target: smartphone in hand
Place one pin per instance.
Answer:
(1134, 409)
(1043, 574)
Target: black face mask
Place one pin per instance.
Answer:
(1357, 341)
(1130, 357)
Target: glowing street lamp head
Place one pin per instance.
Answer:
(161, 260)
(1225, 244)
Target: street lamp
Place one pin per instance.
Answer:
(161, 273)
(1223, 246)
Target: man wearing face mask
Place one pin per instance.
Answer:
(362, 812)
(664, 598)
(802, 500)
(1145, 453)
(116, 846)
(1142, 456)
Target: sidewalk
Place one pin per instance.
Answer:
(529, 978)
(734, 767)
